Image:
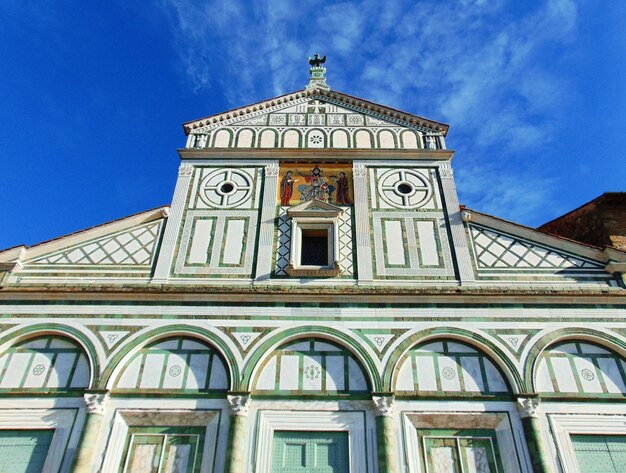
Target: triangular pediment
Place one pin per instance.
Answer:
(315, 119)
(314, 208)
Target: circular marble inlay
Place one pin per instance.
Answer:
(404, 188)
(39, 369)
(226, 188)
(587, 374)
(448, 373)
(175, 370)
(312, 372)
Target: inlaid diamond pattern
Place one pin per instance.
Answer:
(131, 247)
(283, 246)
(496, 250)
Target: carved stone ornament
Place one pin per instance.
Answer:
(185, 169)
(272, 170)
(307, 272)
(359, 171)
(96, 402)
(239, 404)
(445, 170)
(528, 407)
(383, 405)
(466, 216)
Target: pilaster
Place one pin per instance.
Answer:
(267, 226)
(362, 222)
(457, 230)
(168, 246)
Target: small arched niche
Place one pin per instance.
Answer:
(311, 366)
(179, 364)
(580, 368)
(448, 367)
(47, 363)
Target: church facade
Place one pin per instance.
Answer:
(314, 300)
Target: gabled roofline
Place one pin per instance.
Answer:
(17, 254)
(340, 96)
(598, 200)
(601, 255)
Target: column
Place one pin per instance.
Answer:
(95, 404)
(383, 410)
(239, 405)
(539, 455)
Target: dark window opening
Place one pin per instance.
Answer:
(314, 248)
(405, 188)
(227, 188)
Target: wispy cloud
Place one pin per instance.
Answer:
(477, 64)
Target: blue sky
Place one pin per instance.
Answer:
(93, 94)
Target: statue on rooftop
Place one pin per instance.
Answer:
(317, 61)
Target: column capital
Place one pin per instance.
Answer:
(272, 170)
(185, 169)
(383, 405)
(96, 402)
(445, 170)
(528, 407)
(239, 404)
(359, 170)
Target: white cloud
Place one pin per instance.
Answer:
(476, 64)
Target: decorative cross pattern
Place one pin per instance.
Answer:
(496, 250)
(131, 247)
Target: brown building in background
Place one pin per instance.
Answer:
(600, 222)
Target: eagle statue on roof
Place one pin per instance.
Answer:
(317, 61)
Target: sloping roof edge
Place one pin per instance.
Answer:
(393, 113)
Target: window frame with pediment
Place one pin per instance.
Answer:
(314, 215)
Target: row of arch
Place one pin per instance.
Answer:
(324, 360)
(341, 138)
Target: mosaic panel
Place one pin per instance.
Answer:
(446, 367)
(130, 247)
(176, 364)
(581, 368)
(50, 363)
(495, 250)
(330, 183)
(311, 366)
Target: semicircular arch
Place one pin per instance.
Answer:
(282, 336)
(23, 334)
(480, 342)
(610, 341)
(123, 356)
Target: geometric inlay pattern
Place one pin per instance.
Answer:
(130, 247)
(283, 245)
(495, 250)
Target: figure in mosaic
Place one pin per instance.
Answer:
(286, 188)
(343, 189)
(316, 186)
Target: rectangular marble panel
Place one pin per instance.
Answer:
(202, 236)
(233, 246)
(198, 365)
(394, 242)
(312, 374)
(36, 377)
(335, 373)
(289, 372)
(428, 246)
(152, 369)
(426, 376)
(564, 376)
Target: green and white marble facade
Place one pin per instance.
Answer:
(177, 335)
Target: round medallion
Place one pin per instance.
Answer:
(312, 372)
(448, 373)
(225, 188)
(39, 369)
(175, 370)
(404, 188)
(587, 374)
